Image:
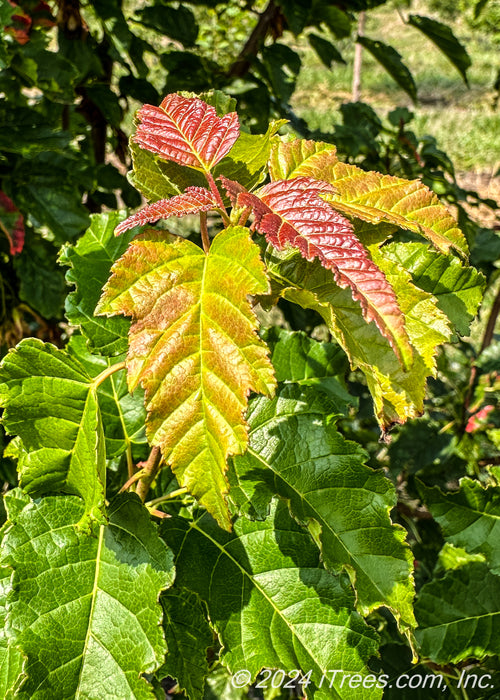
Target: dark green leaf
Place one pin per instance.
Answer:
(282, 66)
(177, 23)
(84, 607)
(188, 636)
(90, 262)
(42, 284)
(390, 59)
(441, 35)
(326, 51)
(268, 597)
(337, 21)
(297, 13)
(51, 404)
(297, 453)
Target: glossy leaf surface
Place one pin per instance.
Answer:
(296, 452)
(272, 604)
(291, 212)
(186, 131)
(84, 607)
(194, 349)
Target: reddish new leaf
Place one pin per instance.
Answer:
(192, 201)
(11, 223)
(187, 131)
(291, 212)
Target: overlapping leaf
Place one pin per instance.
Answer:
(192, 201)
(11, 659)
(51, 403)
(459, 615)
(84, 607)
(397, 394)
(186, 131)
(296, 452)
(90, 262)
(272, 604)
(371, 196)
(194, 349)
(290, 212)
(188, 636)
(469, 518)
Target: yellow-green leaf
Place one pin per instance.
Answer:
(194, 349)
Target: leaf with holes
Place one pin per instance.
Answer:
(186, 131)
(291, 212)
(194, 349)
(84, 607)
(193, 201)
(370, 196)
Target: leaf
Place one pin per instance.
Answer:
(188, 636)
(458, 289)
(11, 659)
(297, 452)
(292, 212)
(84, 607)
(90, 263)
(177, 23)
(468, 517)
(326, 51)
(123, 414)
(51, 404)
(301, 158)
(459, 616)
(12, 224)
(270, 602)
(194, 349)
(247, 159)
(390, 59)
(192, 201)
(186, 131)
(298, 358)
(371, 196)
(397, 394)
(442, 36)
(281, 66)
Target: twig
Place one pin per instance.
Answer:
(150, 471)
(255, 40)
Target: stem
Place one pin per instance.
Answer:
(266, 21)
(204, 232)
(135, 477)
(150, 472)
(167, 497)
(108, 372)
(215, 190)
(358, 60)
(130, 461)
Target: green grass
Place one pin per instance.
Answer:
(461, 119)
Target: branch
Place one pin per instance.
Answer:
(255, 40)
(150, 472)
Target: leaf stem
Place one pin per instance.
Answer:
(107, 373)
(135, 477)
(215, 190)
(167, 497)
(204, 232)
(150, 471)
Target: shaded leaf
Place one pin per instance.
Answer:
(194, 349)
(84, 607)
(390, 59)
(90, 263)
(51, 404)
(281, 66)
(397, 394)
(468, 517)
(297, 452)
(371, 196)
(177, 23)
(269, 600)
(192, 201)
(188, 636)
(326, 51)
(458, 289)
(12, 224)
(291, 212)
(459, 615)
(442, 36)
(186, 131)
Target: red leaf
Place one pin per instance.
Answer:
(291, 212)
(15, 235)
(192, 201)
(187, 131)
